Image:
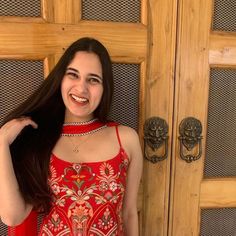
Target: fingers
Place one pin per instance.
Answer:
(27, 121)
(13, 128)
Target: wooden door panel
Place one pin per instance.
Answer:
(191, 91)
(198, 50)
(159, 85)
(149, 43)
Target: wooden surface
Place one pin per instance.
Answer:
(198, 49)
(222, 49)
(46, 38)
(175, 48)
(217, 193)
(159, 103)
(191, 96)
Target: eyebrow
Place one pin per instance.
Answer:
(92, 74)
(70, 68)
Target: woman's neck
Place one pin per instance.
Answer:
(75, 119)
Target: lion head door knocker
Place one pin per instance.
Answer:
(190, 130)
(155, 137)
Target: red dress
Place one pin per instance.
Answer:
(87, 197)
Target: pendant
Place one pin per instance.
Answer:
(76, 149)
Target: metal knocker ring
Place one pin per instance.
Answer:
(155, 135)
(190, 130)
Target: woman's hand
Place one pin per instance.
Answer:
(12, 128)
(13, 208)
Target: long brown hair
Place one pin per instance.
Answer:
(32, 149)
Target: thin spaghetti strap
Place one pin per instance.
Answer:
(118, 136)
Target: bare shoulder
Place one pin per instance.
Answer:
(128, 133)
(129, 139)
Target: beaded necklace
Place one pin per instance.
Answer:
(82, 128)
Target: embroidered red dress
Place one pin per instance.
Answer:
(87, 197)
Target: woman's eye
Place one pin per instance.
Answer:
(72, 75)
(94, 80)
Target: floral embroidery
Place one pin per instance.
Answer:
(113, 186)
(87, 198)
(55, 224)
(107, 221)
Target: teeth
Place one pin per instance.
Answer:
(78, 99)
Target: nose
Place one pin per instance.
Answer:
(82, 85)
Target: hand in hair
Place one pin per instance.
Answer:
(12, 129)
(13, 207)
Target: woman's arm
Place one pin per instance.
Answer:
(13, 209)
(130, 142)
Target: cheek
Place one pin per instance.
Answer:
(64, 84)
(97, 96)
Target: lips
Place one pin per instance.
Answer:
(79, 99)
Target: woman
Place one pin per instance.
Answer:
(61, 156)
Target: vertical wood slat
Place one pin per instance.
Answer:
(191, 96)
(67, 11)
(49, 62)
(63, 11)
(144, 11)
(47, 11)
(160, 63)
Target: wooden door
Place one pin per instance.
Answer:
(203, 192)
(136, 33)
(159, 85)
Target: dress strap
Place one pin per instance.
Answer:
(111, 123)
(118, 136)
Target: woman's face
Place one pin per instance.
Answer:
(82, 87)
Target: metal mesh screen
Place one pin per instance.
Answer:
(115, 10)
(3, 229)
(221, 132)
(18, 79)
(39, 221)
(125, 108)
(26, 8)
(218, 222)
(224, 18)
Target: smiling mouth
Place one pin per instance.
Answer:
(79, 99)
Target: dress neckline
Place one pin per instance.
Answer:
(121, 152)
